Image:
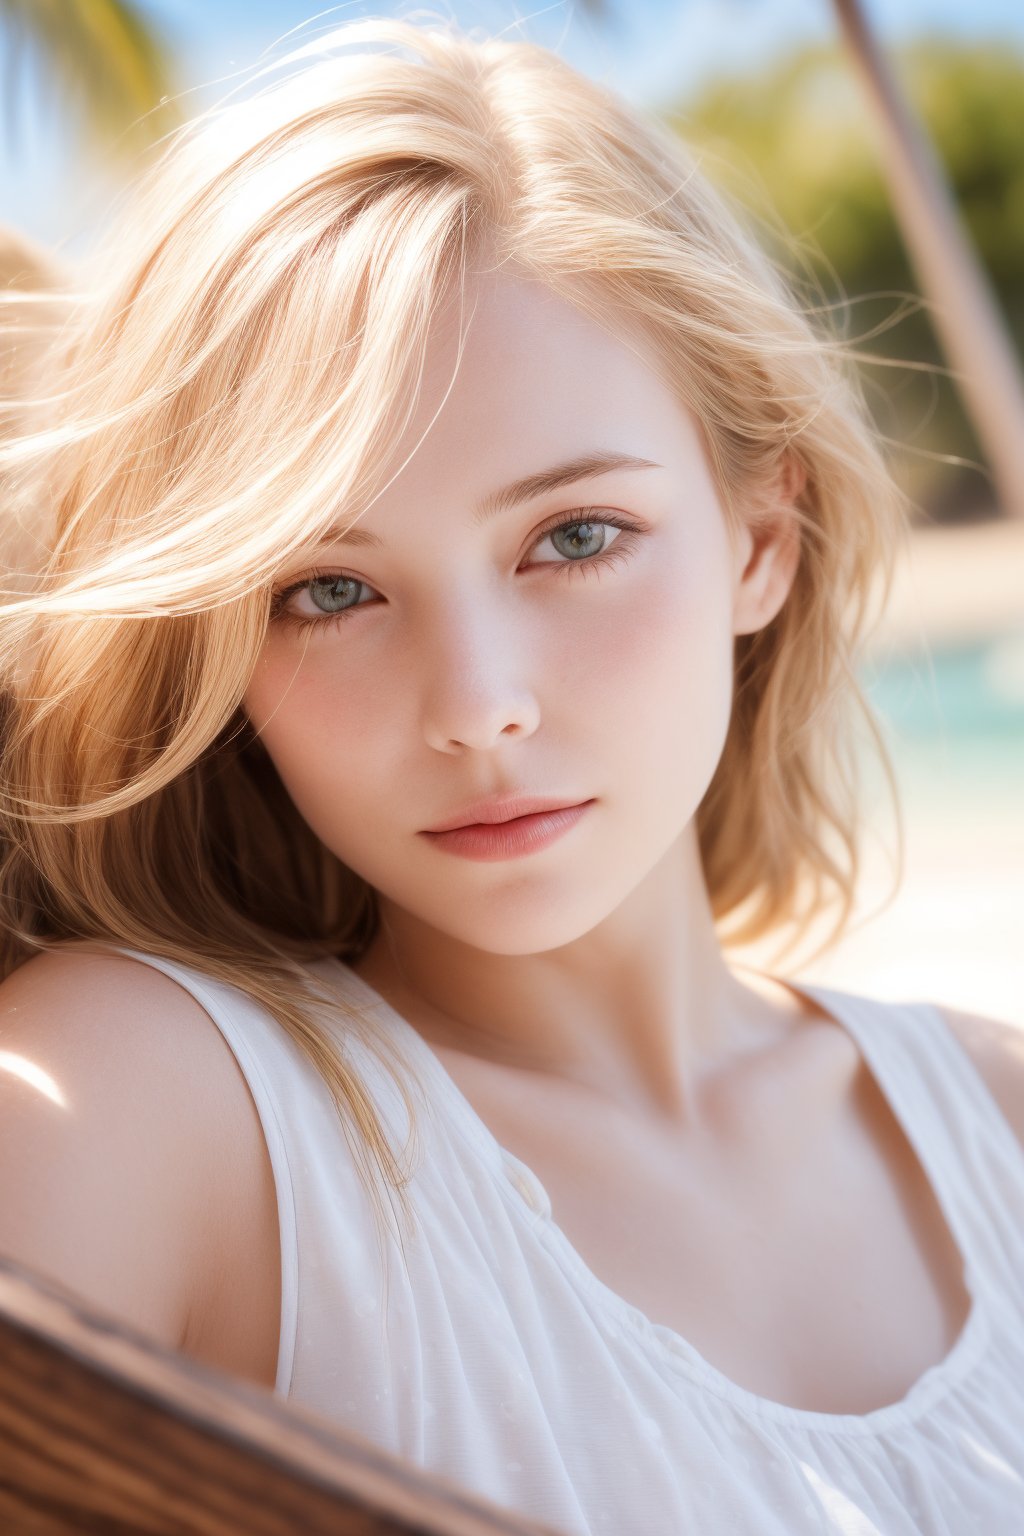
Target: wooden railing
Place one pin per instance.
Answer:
(102, 1430)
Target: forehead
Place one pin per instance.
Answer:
(539, 381)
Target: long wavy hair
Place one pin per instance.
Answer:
(236, 359)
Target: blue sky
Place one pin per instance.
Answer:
(653, 51)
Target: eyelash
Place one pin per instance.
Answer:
(619, 549)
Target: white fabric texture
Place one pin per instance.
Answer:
(497, 1359)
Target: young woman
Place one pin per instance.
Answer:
(457, 545)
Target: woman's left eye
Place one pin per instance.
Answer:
(581, 540)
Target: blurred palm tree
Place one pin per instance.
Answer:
(106, 59)
(790, 141)
(962, 306)
(111, 70)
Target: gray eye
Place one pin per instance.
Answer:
(330, 594)
(581, 538)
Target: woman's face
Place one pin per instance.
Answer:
(479, 654)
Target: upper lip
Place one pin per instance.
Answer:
(503, 808)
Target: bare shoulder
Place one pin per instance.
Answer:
(132, 1159)
(997, 1050)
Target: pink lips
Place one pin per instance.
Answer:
(511, 838)
(501, 808)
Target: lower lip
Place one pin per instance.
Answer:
(509, 839)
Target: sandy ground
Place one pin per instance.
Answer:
(957, 584)
(955, 931)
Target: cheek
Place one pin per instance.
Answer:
(320, 731)
(295, 683)
(661, 664)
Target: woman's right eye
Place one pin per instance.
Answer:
(332, 595)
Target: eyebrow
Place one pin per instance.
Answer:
(582, 467)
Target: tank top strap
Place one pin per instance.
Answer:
(965, 1144)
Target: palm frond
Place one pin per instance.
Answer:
(105, 59)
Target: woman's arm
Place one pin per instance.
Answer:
(121, 1164)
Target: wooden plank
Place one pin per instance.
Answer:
(103, 1430)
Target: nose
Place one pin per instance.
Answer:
(475, 691)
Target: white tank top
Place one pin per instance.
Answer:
(499, 1360)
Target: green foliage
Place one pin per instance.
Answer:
(799, 146)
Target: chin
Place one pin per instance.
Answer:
(523, 925)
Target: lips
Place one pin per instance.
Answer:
(504, 808)
(514, 838)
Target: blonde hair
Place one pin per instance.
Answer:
(238, 360)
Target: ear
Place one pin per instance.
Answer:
(768, 552)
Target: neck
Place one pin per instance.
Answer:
(640, 1008)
